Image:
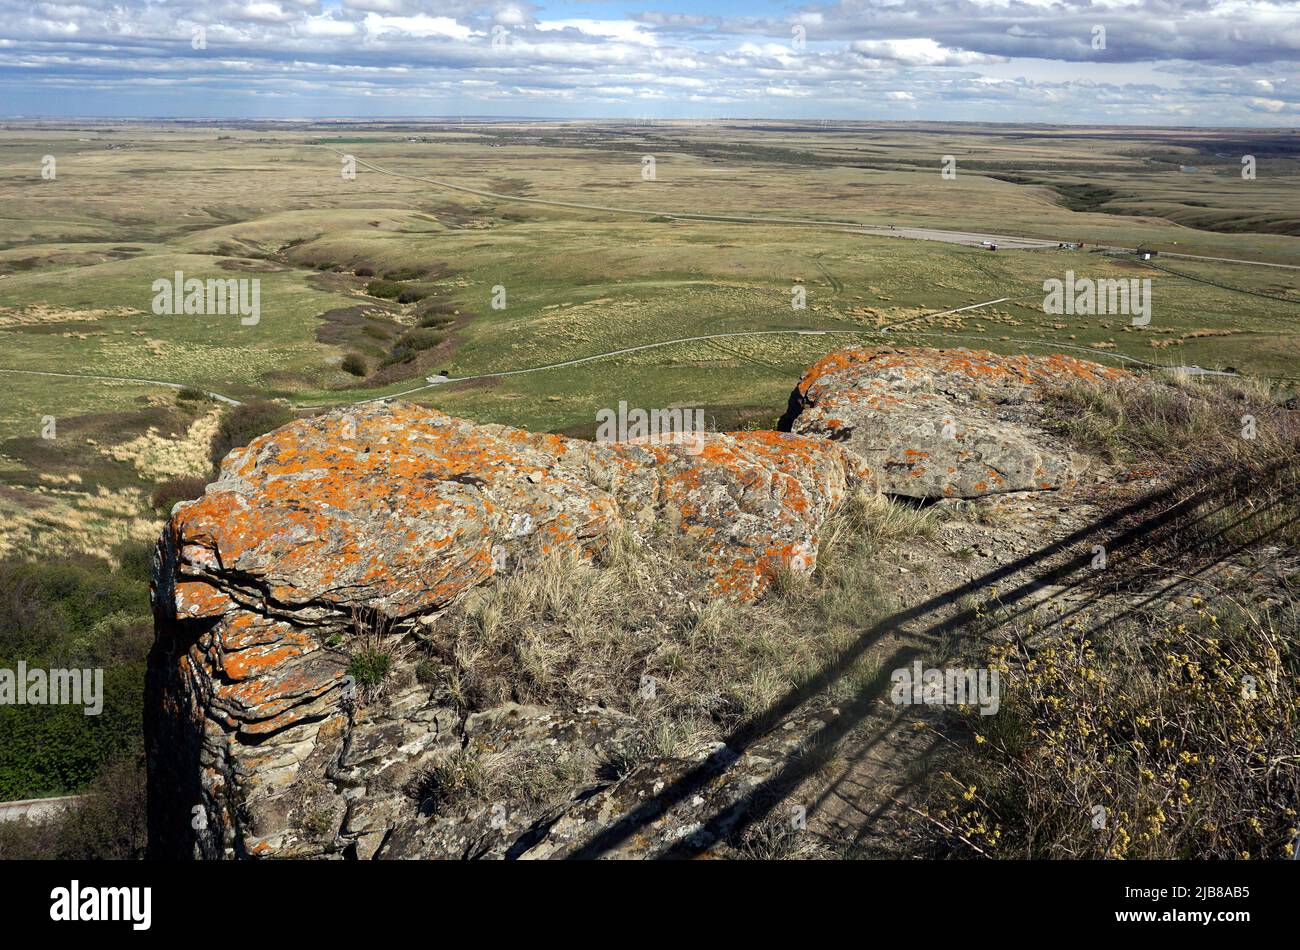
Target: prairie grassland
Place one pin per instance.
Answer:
(398, 275)
(369, 285)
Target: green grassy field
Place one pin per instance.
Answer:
(398, 275)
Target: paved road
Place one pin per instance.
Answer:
(925, 234)
(1225, 260)
(36, 809)
(1003, 241)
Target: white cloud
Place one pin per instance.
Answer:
(1218, 62)
(629, 31)
(1268, 105)
(920, 51)
(420, 25)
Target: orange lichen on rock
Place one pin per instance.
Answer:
(752, 500)
(397, 512)
(401, 510)
(975, 415)
(974, 364)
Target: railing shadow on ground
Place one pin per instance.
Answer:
(1140, 525)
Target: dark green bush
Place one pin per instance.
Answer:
(82, 614)
(405, 273)
(421, 338)
(354, 363)
(401, 354)
(427, 672)
(413, 294)
(45, 606)
(110, 825)
(244, 423)
(369, 667)
(59, 749)
(134, 562)
(184, 488)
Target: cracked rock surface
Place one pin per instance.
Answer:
(943, 423)
(254, 748)
(257, 743)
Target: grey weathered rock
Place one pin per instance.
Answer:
(258, 744)
(402, 511)
(680, 807)
(943, 423)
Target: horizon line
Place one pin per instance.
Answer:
(624, 120)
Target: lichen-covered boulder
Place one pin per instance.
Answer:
(401, 510)
(746, 505)
(943, 423)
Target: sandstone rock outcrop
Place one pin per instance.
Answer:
(401, 510)
(257, 745)
(943, 423)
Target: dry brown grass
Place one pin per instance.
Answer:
(1202, 419)
(629, 631)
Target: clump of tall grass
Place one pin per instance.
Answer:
(1210, 422)
(570, 631)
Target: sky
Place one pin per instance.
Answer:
(1122, 62)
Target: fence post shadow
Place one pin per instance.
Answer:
(1171, 507)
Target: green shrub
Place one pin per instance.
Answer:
(134, 562)
(244, 423)
(369, 667)
(384, 289)
(413, 294)
(46, 605)
(401, 354)
(421, 338)
(427, 672)
(184, 488)
(405, 273)
(75, 613)
(354, 363)
(59, 749)
(109, 825)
